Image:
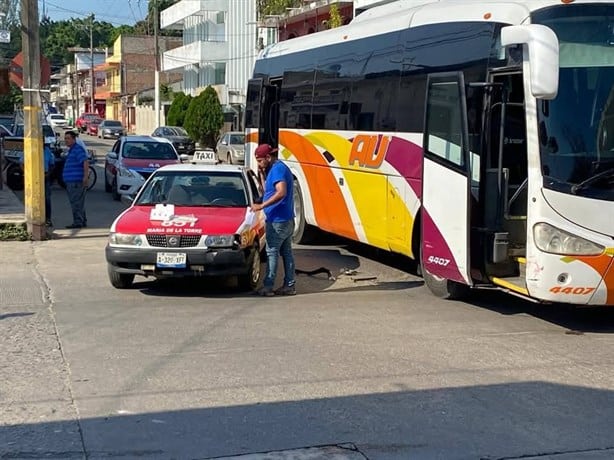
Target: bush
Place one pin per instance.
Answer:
(178, 109)
(14, 232)
(204, 118)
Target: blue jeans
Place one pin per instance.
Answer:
(279, 242)
(76, 197)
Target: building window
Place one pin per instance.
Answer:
(220, 73)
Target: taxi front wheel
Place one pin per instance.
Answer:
(119, 280)
(250, 280)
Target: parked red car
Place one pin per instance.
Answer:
(84, 119)
(92, 126)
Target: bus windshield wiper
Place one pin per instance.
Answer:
(585, 183)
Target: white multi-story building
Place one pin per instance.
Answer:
(220, 45)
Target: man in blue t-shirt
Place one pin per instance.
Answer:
(76, 171)
(278, 208)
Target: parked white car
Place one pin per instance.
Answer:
(57, 120)
(133, 159)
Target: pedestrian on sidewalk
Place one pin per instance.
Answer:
(48, 164)
(278, 208)
(76, 170)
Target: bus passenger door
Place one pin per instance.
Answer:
(446, 181)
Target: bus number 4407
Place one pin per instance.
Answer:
(438, 261)
(571, 290)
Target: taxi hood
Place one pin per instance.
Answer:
(189, 220)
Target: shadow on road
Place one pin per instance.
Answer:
(345, 269)
(15, 315)
(576, 319)
(515, 420)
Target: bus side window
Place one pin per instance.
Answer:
(296, 99)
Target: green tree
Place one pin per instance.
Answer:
(166, 92)
(57, 36)
(205, 118)
(146, 26)
(268, 7)
(334, 19)
(8, 101)
(178, 109)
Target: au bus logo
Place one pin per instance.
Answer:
(369, 150)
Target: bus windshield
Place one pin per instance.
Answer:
(576, 129)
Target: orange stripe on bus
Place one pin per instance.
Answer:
(326, 196)
(601, 264)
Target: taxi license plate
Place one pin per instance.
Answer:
(171, 260)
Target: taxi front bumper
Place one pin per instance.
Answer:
(199, 262)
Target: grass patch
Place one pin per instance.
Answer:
(14, 232)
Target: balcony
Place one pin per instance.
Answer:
(107, 91)
(173, 17)
(195, 53)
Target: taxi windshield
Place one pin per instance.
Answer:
(199, 188)
(148, 151)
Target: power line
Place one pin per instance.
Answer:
(85, 14)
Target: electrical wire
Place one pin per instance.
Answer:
(84, 14)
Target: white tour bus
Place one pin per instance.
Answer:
(476, 137)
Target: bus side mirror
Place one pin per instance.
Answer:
(543, 49)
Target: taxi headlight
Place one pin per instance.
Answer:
(125, 239)
(220, 241)
(125, 172)
(551, 239)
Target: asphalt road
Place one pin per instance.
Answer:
(368, 365)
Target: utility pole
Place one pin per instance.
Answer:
(92, 78)
(34, 173)
(157, 60)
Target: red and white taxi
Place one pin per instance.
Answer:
(190, 220)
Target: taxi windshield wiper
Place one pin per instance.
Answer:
(585, 183)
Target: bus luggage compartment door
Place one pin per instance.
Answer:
(446, 181)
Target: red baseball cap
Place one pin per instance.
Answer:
(263, 150)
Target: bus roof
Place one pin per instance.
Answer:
(403, 14)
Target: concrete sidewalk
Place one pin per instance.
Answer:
(12, 210)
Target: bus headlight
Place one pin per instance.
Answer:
(551, 239)
(125, 239)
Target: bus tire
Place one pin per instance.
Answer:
(444, 288)
(303, 232)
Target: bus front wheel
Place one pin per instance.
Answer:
(444, 288)
(303, 232)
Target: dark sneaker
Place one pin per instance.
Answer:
(266, 292)
(74, 226)
(286, 290)
(48, 223)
